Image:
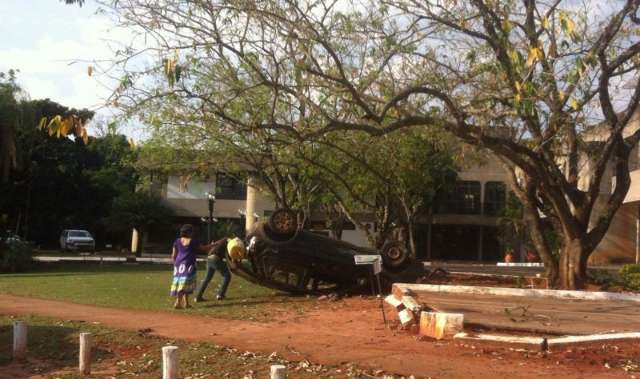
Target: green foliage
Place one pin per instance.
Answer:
(57, 183)
(631, 276)
(138, 210)
(225, 228)
(603, 278)
(15, 256)
(512, 228)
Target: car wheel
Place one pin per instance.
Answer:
(283, 222)
(395, 255)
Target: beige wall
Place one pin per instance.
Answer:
(618, 245)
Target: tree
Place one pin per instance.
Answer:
(8, 115)
(531, 81)
(138, 210)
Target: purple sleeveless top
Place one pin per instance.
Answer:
(186, 256)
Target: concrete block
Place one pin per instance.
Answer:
(400, 291)
(394, 303)
(406, 318)
(410, 303)
(440, 325)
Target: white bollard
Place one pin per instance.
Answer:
(19, 339)
(86, 341)
(170, 362)
(278, 371)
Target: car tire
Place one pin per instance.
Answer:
(283, 222)
(395, 255)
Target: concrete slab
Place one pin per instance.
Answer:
(521, 292)
(544, 316)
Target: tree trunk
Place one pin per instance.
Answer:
(411, 240)
(573, 268)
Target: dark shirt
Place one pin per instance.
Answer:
(219, 248)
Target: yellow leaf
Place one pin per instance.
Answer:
(518, 86)
(65, 127)
(534, 55)
(561, 95)
(42, 123)
(574, 104)
(567, 24)
(545, 23)
(84, 135)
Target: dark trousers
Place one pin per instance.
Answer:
(215, 264)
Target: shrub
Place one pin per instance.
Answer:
(631, 276)
(15, 256)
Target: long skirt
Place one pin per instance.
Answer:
(184, 280)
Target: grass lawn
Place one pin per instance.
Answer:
(145, 286)
(53, 353)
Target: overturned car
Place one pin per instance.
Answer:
(282, 256)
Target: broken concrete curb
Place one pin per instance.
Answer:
(537, 343)
(572, 340)
(440, 325)
(518, 292)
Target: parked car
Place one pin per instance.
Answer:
(78, 240)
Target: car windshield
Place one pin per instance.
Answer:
(79, 233)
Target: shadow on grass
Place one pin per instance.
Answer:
(50, 348)
(255, 300)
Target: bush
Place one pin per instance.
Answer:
(631, 276)
(15, 256)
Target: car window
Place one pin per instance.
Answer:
(79, 233)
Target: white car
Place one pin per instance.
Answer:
(74, 239)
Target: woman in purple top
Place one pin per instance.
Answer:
(183, 255)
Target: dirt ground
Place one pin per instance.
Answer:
(351, 330)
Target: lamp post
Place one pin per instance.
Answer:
(212, 199)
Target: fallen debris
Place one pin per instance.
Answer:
(440, 325)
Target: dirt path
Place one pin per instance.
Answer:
(345, 331)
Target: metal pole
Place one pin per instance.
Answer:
(210, 220)
(384, 317)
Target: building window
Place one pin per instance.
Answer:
(464, 199)
(230, 188)
(495, 194)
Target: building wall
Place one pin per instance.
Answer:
(187, 198)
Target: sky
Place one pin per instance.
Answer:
(53, 44)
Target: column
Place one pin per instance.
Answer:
(250, 206)
(135, 237)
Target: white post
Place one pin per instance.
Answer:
(135, 237)
(638, 236)
(19, 339)
(250, 204)
(170, 362)
(85, 353)
(278, 371)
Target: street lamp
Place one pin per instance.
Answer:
(212, 199)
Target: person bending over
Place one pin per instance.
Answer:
(216, 262)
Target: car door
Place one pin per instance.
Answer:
(63, 240)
